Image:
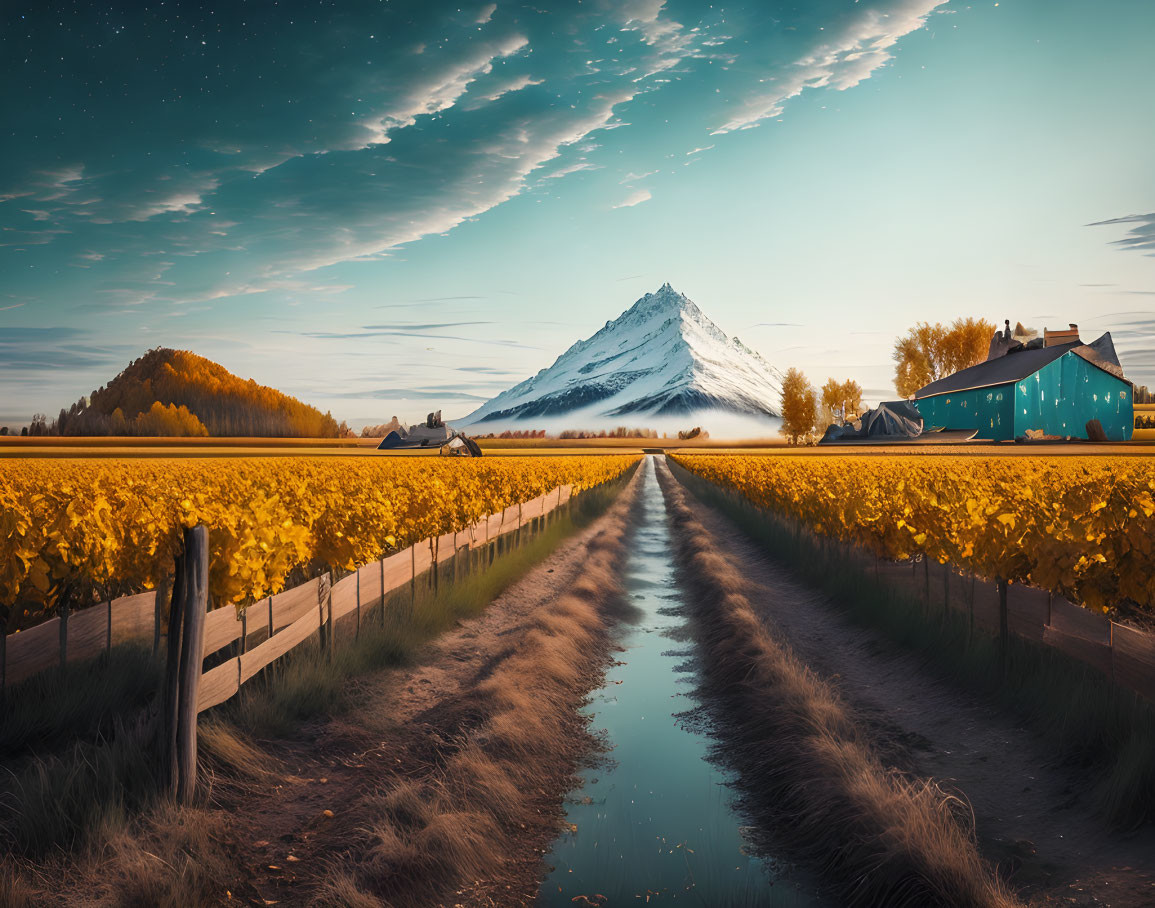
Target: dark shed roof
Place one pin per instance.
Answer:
(1009, 368)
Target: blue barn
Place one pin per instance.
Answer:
(1055, 388)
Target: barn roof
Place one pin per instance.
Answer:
(1018, 365)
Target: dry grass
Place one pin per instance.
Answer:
(85, 822)
(1103, 732)
(807, 764)
(455, 828)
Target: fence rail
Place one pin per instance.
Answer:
(260, 633)
(142, 618)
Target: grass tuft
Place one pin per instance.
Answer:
(80, 701)
(310, 682)
(1106, 731)
(455, 827)
(80, 781)
(807, 765)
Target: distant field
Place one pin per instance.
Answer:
(104, 447)
(639, 443)
(164, 448)
(113, 441)
(53, 446)
(1146, 448)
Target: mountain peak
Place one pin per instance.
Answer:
(661, 357)
(666, 299)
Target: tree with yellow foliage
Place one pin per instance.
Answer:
(839, 395)
(160, 420)
(930, 352)
(799, 406)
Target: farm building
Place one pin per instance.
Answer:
(1054, 386)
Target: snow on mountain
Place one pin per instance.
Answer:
(661, 358)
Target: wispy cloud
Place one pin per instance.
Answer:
(635, 198)
(457, 113)
(849, 52)
(1141, 236)
(414, 394)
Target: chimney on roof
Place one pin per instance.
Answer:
(1054, 338)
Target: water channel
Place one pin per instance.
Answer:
(655, 824)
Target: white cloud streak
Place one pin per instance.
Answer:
(635, 198)
(859, 47)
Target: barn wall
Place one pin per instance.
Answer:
(990, 410)
(1064, 395)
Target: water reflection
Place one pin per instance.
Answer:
(654, 825)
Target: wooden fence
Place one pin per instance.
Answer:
(998, 608)
(1124, 654)
(264, 630)
(259, 634)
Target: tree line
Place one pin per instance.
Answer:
(924, 354)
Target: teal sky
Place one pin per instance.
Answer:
(384, 209)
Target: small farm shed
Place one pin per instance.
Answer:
(1056, 389)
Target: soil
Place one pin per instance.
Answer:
(286, 840)
(1032, 815)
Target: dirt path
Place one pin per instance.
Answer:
(312, 826)
(1031, 816)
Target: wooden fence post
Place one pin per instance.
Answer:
(164, 591)
(196, 565)
(456, 557)
(172, 671)
(945, 590)
(382, 564)
(325, 604)
(971, 630)
(358, 632)
(63, 610)
(1004, 623)
(327, 585)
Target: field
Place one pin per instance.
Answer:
(56, 446)
(84, 530)
(451, 723)
(1080, 526)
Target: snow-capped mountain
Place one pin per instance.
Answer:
(661, 358)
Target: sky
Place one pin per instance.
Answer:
(389, 207)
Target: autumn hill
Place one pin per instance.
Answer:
(175, 392)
